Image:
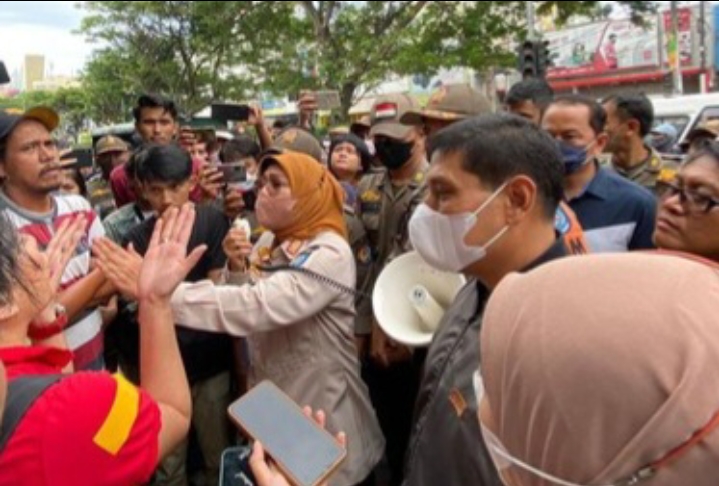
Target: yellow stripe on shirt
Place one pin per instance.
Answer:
(119, 422)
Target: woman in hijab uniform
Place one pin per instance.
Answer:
(579, 392)
(299, 327)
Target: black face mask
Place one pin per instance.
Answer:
(393, 155)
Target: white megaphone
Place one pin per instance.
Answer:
(410, 298)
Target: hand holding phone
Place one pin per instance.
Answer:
(302, 451)
(267, 473)
(233, 174)
(328, 100)
(78, 158)
(230, 112)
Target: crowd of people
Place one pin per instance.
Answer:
(138, 301)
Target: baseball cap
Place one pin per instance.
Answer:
(450, 103)
(42, 114)
(110, 144)
(224, 135)
(666, 129)
(363, 123)
(706, 129)
(386, 114)
(295, 139)
(340, 130)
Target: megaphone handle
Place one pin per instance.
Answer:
(316, 276)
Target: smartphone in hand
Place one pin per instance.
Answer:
(328, 100)
(304, 452)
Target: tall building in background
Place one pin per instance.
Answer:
(16, 80)
(33, 71)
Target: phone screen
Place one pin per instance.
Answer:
(83, 158)
(233, 174)
(227, 112)
(301, 449)
(328, 100)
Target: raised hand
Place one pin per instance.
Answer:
(62, 248)
(166, 263)
(120, 266)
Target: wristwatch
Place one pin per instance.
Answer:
(40, 331)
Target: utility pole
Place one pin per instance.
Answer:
(677, 80)
(531, 22)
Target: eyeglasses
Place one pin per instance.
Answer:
(689, 198)
(504, 460)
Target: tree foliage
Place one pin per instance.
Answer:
(197, 52)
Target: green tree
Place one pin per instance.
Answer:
(110, 86)
(72, 105)
(354, 46)
(202, 51)
(191, 51)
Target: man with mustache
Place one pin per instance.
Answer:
(32, 174)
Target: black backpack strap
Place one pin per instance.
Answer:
(22, 393)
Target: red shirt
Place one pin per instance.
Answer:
(90, 428)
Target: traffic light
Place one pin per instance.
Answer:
(544, 58)
(528, 60)
(535, 59)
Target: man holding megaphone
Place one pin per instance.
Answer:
(495, 183)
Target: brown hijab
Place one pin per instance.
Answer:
(598, 366)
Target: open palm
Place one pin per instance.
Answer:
(166, 263)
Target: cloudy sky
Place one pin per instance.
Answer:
(42, 28)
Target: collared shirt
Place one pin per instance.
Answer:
(654, 168)
(88, 428)
(299, 323)
(617, 215)
(446, 447)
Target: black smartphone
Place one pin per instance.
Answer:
(305, 453)
(249, 198)
(84, 157)
(235, 467)
(225, 112)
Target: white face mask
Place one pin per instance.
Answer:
(439, 238)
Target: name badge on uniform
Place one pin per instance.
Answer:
(300, 260)
(371, 201)
(458, 402)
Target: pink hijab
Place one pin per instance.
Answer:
(596, 367)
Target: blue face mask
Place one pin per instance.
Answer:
(574, 158)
